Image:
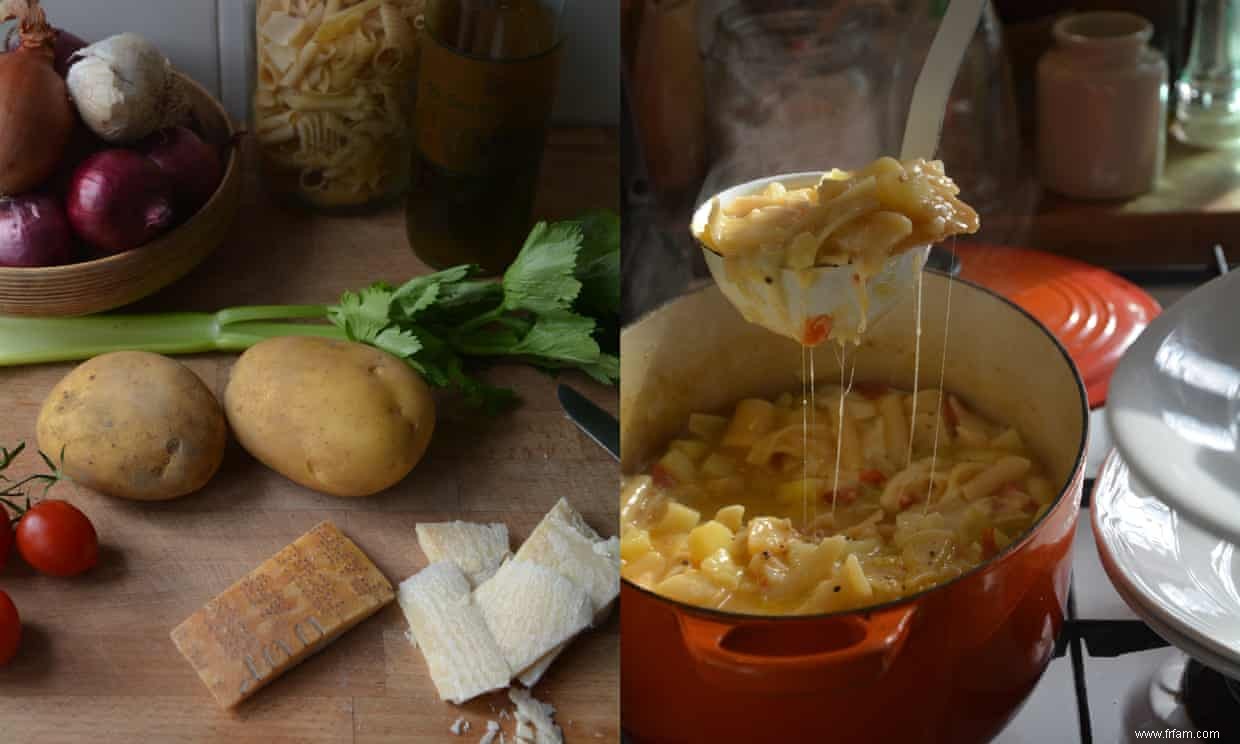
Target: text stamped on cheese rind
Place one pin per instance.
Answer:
(291, 606)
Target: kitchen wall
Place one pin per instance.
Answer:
(208, 39)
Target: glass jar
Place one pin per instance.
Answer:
(333, 99)
(486, 83)
(1208, 102)
(794, 86)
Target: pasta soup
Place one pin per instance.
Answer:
(748, 513)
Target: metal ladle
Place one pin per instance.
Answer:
(787, 301)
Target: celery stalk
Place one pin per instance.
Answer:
(41, 340)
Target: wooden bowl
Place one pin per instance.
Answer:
(110, 282)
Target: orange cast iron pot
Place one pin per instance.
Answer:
(950, 665)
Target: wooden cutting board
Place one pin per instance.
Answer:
(96, 663)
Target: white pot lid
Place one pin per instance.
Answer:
(1180, 579)
(1174, 406)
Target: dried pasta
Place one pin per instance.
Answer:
(719, 519)
(332, 106)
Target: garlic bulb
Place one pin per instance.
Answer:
(125, 88)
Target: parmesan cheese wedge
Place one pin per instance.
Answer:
(564, 543)
(531, 610)
(478, 549)
(463, 657)
(294, 604)
(535, 724)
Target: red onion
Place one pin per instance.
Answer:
(193, 165)
(36, 115)
(118, 200)
(66, 44)
(34, 232)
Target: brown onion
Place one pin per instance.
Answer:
(36, 115)
(65, 47)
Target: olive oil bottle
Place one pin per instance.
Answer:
(486, 82)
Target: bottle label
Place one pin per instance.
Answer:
(479, 116)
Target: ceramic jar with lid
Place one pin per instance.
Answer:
(1102, 107)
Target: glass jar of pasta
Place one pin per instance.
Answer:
(333, 99)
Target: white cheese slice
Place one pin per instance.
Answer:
(491, 733)
(531, 610)
(461, 653)
(564, 543)
(478, 549)
(535, 720)
(534, 672)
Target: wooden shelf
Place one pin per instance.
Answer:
(1195, 206)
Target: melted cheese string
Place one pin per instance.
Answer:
(912, 420)
(805, 402)
(938, 415)
(813, 409)
(841, 356)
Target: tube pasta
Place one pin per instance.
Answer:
(895, 423)
(397, 33)
(1004, 470)
(279, 135)
(897, 526)
(332, 100)
(305, 56)
(861, 216)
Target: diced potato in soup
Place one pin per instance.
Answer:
(794, 535)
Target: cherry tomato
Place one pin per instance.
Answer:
(6, 537)
(10, 629)
(816, 330)
(57, 539)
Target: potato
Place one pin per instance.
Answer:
(134, 425)
(338, 417)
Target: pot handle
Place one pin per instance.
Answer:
(796, 657)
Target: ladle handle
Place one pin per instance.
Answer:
(938, 74)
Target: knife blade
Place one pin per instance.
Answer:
(597, 424)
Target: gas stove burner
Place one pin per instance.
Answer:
(1212, 700)
(1186, 694)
